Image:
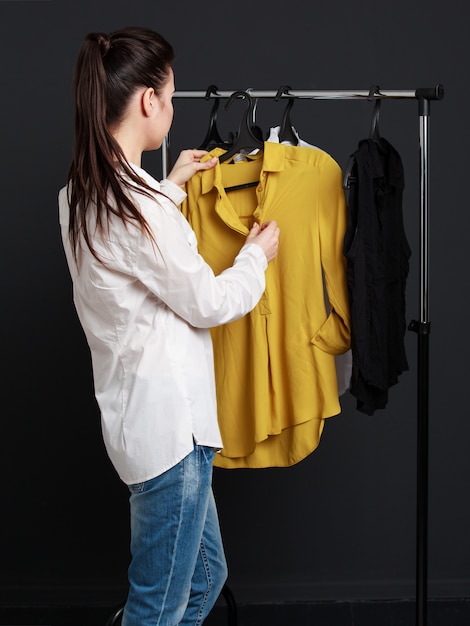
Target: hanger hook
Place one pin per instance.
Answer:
(240, 94)
(282, 90)
(212, 89)
(374, 128)
(290, 102)
(373, 91)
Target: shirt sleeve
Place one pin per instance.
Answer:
(173, 270)
(334, 336)
(173, 191)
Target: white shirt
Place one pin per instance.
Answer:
(146, 316)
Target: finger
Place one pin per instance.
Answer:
(271, 224)
(198, 153)
(206, 165)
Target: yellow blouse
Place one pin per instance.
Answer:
(275, 368)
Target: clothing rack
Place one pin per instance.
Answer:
(422, 326)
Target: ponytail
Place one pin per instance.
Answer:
(109, 69)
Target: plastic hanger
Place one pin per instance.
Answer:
(374, 134)
(286, 132)
(212, 135)
(248, 136)
(212, 138)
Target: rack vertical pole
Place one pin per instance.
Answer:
(166, 157)
(422, 328)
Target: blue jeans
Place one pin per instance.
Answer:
(178, 565)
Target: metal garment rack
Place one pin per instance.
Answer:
(422, 326)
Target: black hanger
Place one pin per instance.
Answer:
(374, 127)
(374, 134)
(249, 136)
(286, 132)
(212, 138)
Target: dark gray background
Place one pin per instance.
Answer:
(340, 524)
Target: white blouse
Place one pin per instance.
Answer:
(146, 315)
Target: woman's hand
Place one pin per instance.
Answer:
(266, 236)
(187, 164)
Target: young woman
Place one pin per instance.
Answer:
(146, 300)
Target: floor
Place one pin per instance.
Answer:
(390, 613)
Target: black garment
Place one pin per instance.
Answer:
(378, 254)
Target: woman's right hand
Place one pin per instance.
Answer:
(187, 164)
(266, 236)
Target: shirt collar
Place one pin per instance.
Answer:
(273, 161)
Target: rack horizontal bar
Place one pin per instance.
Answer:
(428, 93)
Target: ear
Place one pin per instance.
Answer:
(148, 101)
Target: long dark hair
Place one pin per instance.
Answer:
(109, 69)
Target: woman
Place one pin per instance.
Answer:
(146, 300)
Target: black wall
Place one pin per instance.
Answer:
(342, 523)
